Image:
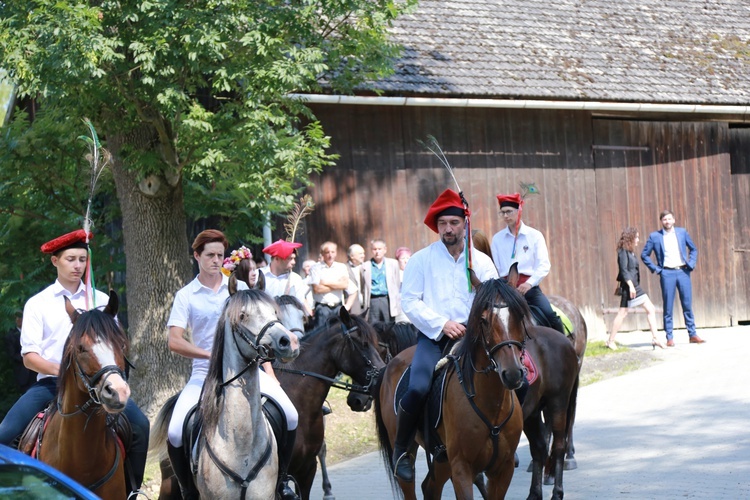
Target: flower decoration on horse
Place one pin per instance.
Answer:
(230, 263)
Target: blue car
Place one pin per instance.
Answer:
(24, 477)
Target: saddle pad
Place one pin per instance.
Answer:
(567, 324)
(531, 371)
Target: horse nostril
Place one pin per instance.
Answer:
(284, 342)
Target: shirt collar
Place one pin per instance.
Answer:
(196, 286)
(61, 290)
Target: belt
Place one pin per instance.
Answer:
(378, 296)
(328, 304)
(675, 268)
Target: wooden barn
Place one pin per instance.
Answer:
(615, 110)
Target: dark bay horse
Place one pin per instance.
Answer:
(237, 455)
(80, 438)
(481, 421)
(346, 344)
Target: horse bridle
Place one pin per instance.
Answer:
(372, 373)
(262, 353)
(490, 351)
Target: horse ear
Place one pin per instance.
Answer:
(513, 275)
(113, 305)
(260, 283)
(72, 313)
(345, 317)
(232, 284)
(475, 281)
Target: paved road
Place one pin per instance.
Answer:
(678, 429)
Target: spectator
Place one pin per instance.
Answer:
(329, 280)
(382, 285)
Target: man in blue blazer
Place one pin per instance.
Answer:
(673, 265)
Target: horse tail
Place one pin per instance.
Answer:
(384, 443)
(157, 442)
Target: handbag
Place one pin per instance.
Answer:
(618, 290)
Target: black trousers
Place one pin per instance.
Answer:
(536, 298)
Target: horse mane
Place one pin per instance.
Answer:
(212, 389)
(289, 300)
(486, 298)
(99, 326)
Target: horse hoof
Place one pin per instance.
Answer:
(329, 497)
(530, 468)
(570, 464)
(549, 480)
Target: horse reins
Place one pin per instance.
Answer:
(261, 352)
(372, 373)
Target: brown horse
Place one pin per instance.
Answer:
(346, 344)
(80, 438)
(481, 421)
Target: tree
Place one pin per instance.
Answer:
(191, 99)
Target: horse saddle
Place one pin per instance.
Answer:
(541, 320)
(31, 439)
(193, 428)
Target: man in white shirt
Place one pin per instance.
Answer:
(355, 302)
(46, 326)
(436, 296)
(526, 246)
(329, 280)
(279, 276)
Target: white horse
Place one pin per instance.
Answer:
(238, 452)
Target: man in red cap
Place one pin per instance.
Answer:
(46, 325)
(436, 296)
(526, 246)
(279, 275)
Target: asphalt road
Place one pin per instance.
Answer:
(677, 429)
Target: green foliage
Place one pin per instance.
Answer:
(209, 79)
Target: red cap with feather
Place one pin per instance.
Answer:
(448, 203)
(75, 239)
(281, 249)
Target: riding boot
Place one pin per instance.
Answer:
(135, 465)
(406, 429)
(181, 468)
(285, 458)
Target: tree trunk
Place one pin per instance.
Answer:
(158, 263)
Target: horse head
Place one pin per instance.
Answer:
(496, 327)
(358, 356)
(251, 321)
(292, 314)
(95, 356)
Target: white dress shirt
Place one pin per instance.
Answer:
(321, 271)
(436, 289)
(277, 285)
(672, 257)
(531, 253)
(46, 324)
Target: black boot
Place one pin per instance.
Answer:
(181, 468)
(406, 429)
(285, 458)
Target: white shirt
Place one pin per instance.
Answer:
(531, 253)
(320, 271)
(672, 257)
(198, 308)
(46, 324)
(436, 289)
(277, 285)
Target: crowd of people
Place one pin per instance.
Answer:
(430, 289)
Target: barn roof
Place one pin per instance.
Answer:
(658, 51)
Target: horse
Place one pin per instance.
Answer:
(345, 344)
(80, 438)
(237, 451)
(481, 418)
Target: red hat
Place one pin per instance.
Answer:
(281, 249)
(510, 200)
(448, 203)
(76, 239)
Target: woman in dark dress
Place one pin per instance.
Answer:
(631, 293)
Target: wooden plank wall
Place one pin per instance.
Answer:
(385, 181)
(740, 154)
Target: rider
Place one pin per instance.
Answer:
(279, 274)
(526, 246)
(198, 306)
(46, 326)
(436, 296)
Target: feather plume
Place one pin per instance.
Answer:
(433, 146)
(528, 188)
(299, 212)
(98, 159)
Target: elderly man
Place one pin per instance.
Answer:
(355, 302)
(436, 296)
(382, 283)
(329, 280)
(279, 275)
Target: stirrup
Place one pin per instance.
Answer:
(406, 459)
(137, 493)
(285, 491)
